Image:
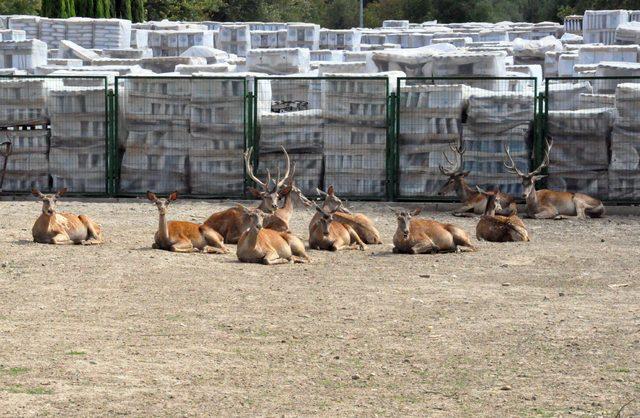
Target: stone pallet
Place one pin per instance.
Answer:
(625, 150)
(624, 184)
(506, 182)
(279, 61)
(23, 55)
(309, 168)
(22, 100)
(419, 183)
(356, 184)
(354, 139)
(593, 183)
(152, 137)
(160, 181)
(24, 182)
(425, 158)
(235, 39)
(205, 146)
(566, 96)
(300, 132)
(344, 39)
(219, 172)
(498, 111)
(12, 35)
(303, 35)
(291, 89)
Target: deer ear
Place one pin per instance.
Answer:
(320, 192)
(416, 212)
(36, 192)
(173, 196)
(255, 192)
(151, 196)
(61, 192)
(330, 190)
(538, 177)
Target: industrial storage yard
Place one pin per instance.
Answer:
(109, 110)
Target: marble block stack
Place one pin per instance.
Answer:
(430, 120)
(624, 170)
(77, 159)
(234, 39)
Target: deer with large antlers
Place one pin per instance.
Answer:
(62, 228)
(551, 204)
(229, 222)
(260, 245)
(361, 224)
(472, 201)
(498, 228)
(183, 237)
(279, 220)
(327, 234)
(424, 236)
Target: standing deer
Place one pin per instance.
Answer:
(63, 228)
(327, 234)
(550, 204)
(183, 237)
(424, 236)
(360, 223)
(266, 246)
(229, 222)
(472, 201)
(498, 228)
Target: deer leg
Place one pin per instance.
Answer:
(581, 208)
(94, 235)
(425, 247)
(182, 247)
(355, 237)
(61, 239)
(273, 258)
(300, 260)
(213, 239)
(547, 213)
(214, 250)
(464, 211)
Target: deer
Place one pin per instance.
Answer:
(261, 245)
(498, 228)
(472, 201)
(551, 204)
(360, 223)
(229, 222)
(425, 236)
(183, 237)
(327, 234)
(280, 219)
(63, 228)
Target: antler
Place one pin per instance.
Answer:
(280, 183)
(545, 160)
(249, 166)
(511, 165)
(512, 168)
(455, 166)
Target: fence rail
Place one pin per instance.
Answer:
(371, 137)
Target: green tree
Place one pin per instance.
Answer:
(137, 11)
(27, 7)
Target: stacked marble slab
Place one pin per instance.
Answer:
(279, 61)
(170, 43)
(573, 24)
(472, 64)
(234, 39)
(12, 35)
(344, 39)
(23, 55)
(496, 119)
(579, 157)
(77, 158)
(624, 170)
(303, 35)
(599, 26)
(430, 120)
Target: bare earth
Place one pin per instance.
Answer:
(546, 328)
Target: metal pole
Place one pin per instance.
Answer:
(362, 13)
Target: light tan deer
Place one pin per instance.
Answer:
(550, 204)
(498, 228)
(327, 234)
(183, 237)
(424, 236)
(472, 201)
(280, 219)
(63, 228)
(229, 222)
(360, 223)
(266, 246)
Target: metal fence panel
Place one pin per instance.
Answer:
(334, 128)
(594, 123)
(57, 127)
(479, 114)
(184, 134)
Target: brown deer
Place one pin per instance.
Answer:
(472, 201)
(550, 204)
(183, 237)
(326, 234)
(360, 223)
(280, 219)
(229, 222)
(424, 236)
(498, 228)
(63, 228)
(266, 246)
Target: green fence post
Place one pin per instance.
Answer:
(110, 160)
(391, 143)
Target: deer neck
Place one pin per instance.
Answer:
(463, 190)
(532, 201)
(287, 210)
(163, 229)
(490, 209)
(251, 239)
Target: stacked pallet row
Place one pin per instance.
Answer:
(430, 120)
(624, 170)
(77, 159)
(496, 120)
(217, 136)
(579, 158)
(22, 101)
(302, 134)
(170, 43)
(355, 135)
(156, 134)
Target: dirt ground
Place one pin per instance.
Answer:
(546, 328)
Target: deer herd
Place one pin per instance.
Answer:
(262, 234)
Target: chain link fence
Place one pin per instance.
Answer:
(55, 134)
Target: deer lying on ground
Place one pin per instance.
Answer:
(472, 201)
(424, 236)
(62, 228)
(279, 220)
(550, 204)
(498, 228)
(229, 222)
(360, 223)
(266, 246)
(327, 234)
(183, 237)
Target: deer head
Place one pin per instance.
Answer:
(332, 202)
(492, 202)
(404, 219)
(529, 179)
(454, 171)
(252, 218)
(49, 201)
(162, 204)
(271, 190)
(325, 220)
